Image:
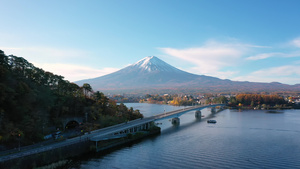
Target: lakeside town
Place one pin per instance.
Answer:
(255, 101)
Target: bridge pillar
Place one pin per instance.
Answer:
(213, 109)
(145, 126)
(148, 126)
(198, 114)
(175, 120)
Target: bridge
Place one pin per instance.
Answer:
(116, 131)
(140, 125)
(176, 113)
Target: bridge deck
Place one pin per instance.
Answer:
(138, 122)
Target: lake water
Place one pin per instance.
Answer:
(239, 139)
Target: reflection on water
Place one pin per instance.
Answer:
(245, 139)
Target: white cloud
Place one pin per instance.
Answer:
(74, 72)
(279, 71)
(296, 42)
(262, 56)
(210, 58)
(45, 54)
(222, 60)
(58, 61)
(269, 55)
(284, 74)
(219, 74)
(291, 53)
(263, 79)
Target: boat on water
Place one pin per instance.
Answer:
(211, 121)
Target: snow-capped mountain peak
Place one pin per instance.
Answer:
(152, 63)
(153, 74)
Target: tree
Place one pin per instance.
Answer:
(87, 89)
(232, 101)
(252, 103)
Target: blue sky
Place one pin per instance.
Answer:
(238, 40)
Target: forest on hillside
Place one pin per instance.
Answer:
(33, 103)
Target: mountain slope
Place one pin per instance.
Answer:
(153, 74)
(149, 72)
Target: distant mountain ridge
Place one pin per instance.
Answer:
(152, 75)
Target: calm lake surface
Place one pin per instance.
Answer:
(239, 139)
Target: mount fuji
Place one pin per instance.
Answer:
(152, 75)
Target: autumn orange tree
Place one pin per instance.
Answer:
(258, 99)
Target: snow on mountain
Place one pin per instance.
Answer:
(152, 63)
(150, 72)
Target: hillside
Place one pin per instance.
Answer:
(34, 103)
